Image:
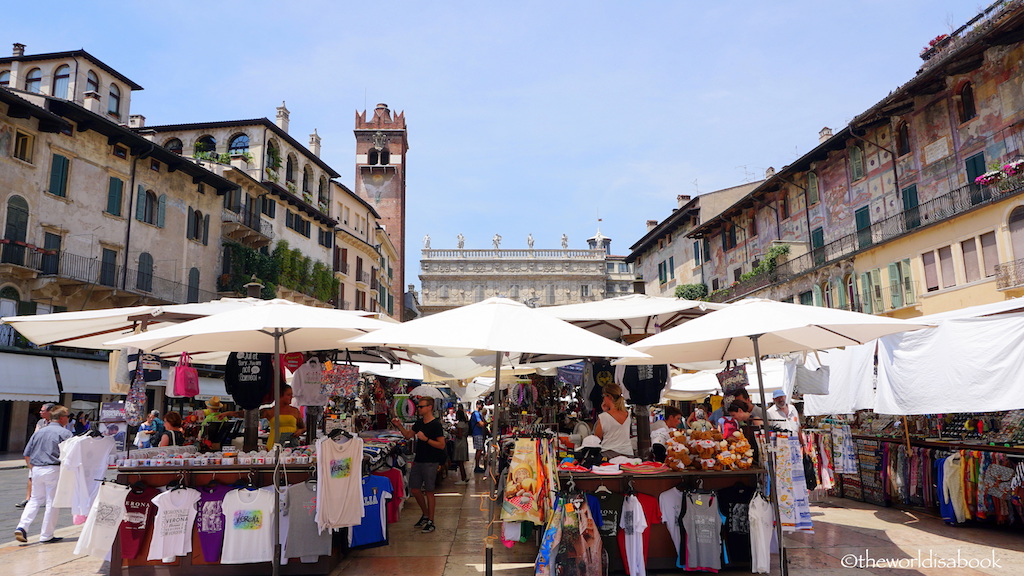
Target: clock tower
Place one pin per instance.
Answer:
(381, 145)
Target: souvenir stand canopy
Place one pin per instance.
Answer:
(753, 327)
(273, 326)
(496, 326)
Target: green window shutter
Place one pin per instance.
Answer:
(816, 294)
(907, 279)
(114, 192)
(59, 175)
(190, 232)
(26, 308)
(140, 204)
(696, 253)
(895, 290)
(161, 209)
(672, 267)
(206, 229)
(865, 293)
(842, 294)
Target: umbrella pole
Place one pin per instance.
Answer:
(770, 457)
(275, 364)
(492, 474)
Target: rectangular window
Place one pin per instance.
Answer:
(752, 225)
(623, 268)
(714, 284)
(784, 206)
(807, 298)
(51, 262)
(931, 272)
(696, 253)
(154, 165)
(115, 191)
(120, 151)
(946, 267)
(585, 291)
(108, 267)
(972, 271)
(672, 268)
(736, 273)
(989, 253)
(812, 189)
(326, 238)
(233, 200)
(705, 252)
(268, 206)
(23, 146)
(662, 276)
(59, 175)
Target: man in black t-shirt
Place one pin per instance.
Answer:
(429, 453)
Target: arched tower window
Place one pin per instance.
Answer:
(62, 81)
(34, 80)
(289, 169)
(205, 145)
(92, 82)
(114, 101)
(902, 139)
(239, 144)
(965, 103)
(174, 145)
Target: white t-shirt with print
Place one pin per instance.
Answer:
(104, 519)
(248, 527)
(172, 527)
(633, 522)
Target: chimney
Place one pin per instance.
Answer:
(19, 49)
(382, 114)
(136, 121)
(682, 199)
(282, 117)
(651, 225)
(824, 135)
(769, 172)
(314, 143)
(92, 102)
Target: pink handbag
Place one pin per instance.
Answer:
(186, 378)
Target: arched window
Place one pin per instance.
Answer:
(16, 230)
(92, 82)
(206, 145)
(152, 204)
(193, 285)
(114, 101)
(62, 81)
(174, 145)
(273, 158)
(826, 294)
(239, 144)
(965, 103)
(322, 193)
(289, 169)
(1016, 223)
(813, 195)
(902, 139)
(372, 157)
(144, 279)
(850, 290)
(34, 80)
(385, 156)
(856, 163)
(307, 180)
(5, 78)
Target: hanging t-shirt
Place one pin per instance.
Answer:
(632, 543)
(671, 503)
(644, 383)
(602, 374)
(248, 376)
(305, 541)
(88, 462)
(307, 384)
(138, 517)
(172, 526)
(610, 504)
(210, 520)
(248, 527)
(702, 523)
(338, 469)
(761, 517)
(104, 519)
(397, 491)
(372, 531)
(734, 502)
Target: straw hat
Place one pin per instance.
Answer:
(214, 403)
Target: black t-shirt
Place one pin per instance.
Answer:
(734, 503)
(248, 376)
(425, 452)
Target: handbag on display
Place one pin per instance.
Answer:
(733, 378)
(120, 380)
(340, 381)
(811, 381)
(135, 403)
(186, 378)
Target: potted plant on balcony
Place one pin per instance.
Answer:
(990, 178)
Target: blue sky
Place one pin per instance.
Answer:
(524, 117)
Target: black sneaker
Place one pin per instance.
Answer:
(53, 540)
(21, 504)
(421, 522)
(20, 536)
(428, 527)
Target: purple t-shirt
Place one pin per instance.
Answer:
(210, 520)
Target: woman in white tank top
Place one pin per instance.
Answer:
(613, 425)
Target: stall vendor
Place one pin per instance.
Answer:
(291, 423)
(613, 425)
(213, 413)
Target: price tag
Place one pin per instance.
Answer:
(699, 503)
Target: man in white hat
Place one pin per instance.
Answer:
(782, 416)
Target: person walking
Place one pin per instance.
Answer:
(478, 429)
(42, 453)
(158, 426)
(461, 453)
(146, 432)
(429, 455)
(44, 420)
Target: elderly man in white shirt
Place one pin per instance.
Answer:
(783, 416)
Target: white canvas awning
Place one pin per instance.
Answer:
(28, 378)
(84, 376)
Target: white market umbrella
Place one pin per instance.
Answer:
(757, 326)
(427, 391)
(697, 385)
(276, 326)
(496, 326)
(632, 314)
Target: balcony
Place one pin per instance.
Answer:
(246, 228)
(362, 276)
(937, 210)
(1010, 274)
(63, 274)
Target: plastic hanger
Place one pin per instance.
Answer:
(602, 489)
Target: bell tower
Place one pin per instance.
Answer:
(381, 145)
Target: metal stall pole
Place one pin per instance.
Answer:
(492, 474)
(770, 457)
